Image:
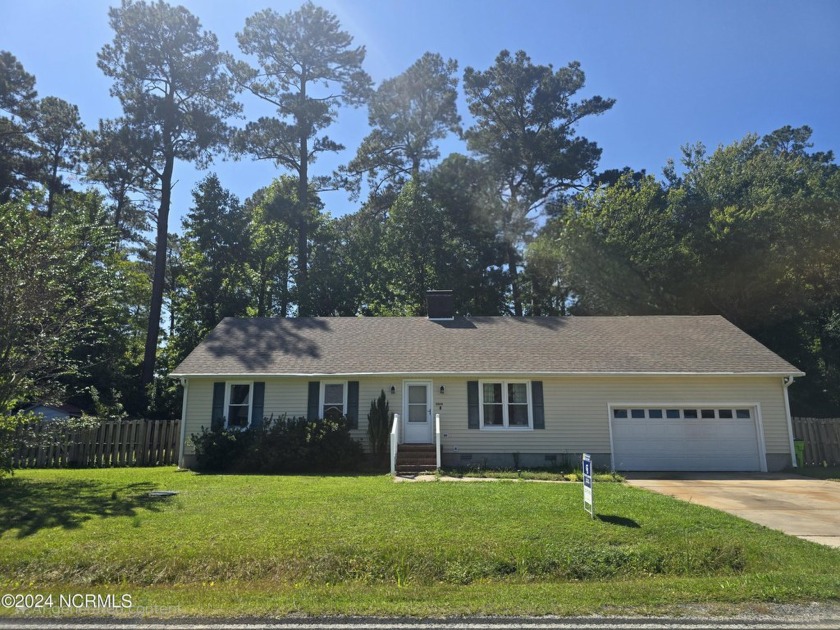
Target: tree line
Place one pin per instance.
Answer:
(101, 297)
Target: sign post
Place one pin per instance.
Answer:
(588, 505)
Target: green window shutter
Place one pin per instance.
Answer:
(313, 411)
(353, 404)
(258, 405)
(539, 408)
(472, 404)
(217, 418)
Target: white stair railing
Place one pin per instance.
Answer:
(437, 438)
(395, 434)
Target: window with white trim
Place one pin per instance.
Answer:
(691, 413)
(506, 405)
(238, 403)
(333, 400)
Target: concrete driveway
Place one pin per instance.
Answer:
(799, 506)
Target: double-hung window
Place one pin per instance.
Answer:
(333, 400)
(506, 405)
(238, 402)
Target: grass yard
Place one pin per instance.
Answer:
(237, 545)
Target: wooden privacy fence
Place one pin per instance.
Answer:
(117, 443)
(822, 440)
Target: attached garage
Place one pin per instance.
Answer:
(702, 437)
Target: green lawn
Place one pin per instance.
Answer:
(256, 545)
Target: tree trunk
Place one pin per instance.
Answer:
(284, 292)
(173, 287)
(304, 302)
(118, 212)
(159, 277)
(419, 258)
(118, 216)
(52, 186)
(513, 257)
(261, 291)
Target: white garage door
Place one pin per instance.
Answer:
(707, 438)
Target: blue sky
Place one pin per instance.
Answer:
(681, 72)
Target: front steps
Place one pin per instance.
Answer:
(413, 459)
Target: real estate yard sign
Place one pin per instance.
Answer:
(587, 485)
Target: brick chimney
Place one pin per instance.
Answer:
(440, 305)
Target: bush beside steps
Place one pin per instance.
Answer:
(279, 445)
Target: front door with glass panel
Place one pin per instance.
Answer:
(417, 412)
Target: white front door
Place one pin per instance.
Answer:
(417, 412)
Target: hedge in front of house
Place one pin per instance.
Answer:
(279, 445)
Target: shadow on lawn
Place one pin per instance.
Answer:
(618, 520)
(347, 474)
(32, 506)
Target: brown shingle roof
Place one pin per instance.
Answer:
(533, 345)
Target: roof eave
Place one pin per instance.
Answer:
(792, 373)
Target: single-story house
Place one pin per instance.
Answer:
(638, 393)
(53, 412)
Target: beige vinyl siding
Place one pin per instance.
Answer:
(199, 410)
(576, 417)
(288, 396)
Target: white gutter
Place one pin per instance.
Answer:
(186, 384)
(482, 373)
(787, 382)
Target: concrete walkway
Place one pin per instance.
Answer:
(799, 506)
(424, 477)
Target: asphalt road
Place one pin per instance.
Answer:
(815, 620)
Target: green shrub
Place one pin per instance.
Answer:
(10, 425)
(379, 424)
(219, 449)
(31, 431)
(279, 445)
(331, 447)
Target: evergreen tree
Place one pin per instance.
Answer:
(408, 114)
(18, 106)
(58, 133)
(111, 162)
(307, 67)
(213, 279)
(525, 132)
(167, 75)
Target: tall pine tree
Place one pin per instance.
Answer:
(167, 75)
(525, 132)
(307, 67)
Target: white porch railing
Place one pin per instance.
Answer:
(437, 439)
(395, 438)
